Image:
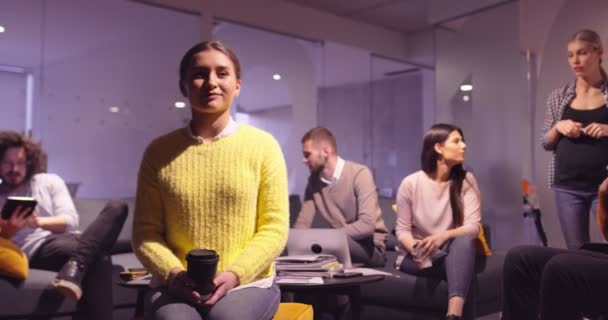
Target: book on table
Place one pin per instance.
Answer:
(318, 262)
(308, 265)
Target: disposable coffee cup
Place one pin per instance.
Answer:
(202, 266)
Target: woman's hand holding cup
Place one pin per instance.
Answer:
(182, 287)
(224, 282)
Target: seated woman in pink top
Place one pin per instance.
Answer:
(438, 217)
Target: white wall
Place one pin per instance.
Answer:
(12, 100)
(487, 50)
(379, 125)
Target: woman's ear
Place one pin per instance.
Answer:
(438, 148)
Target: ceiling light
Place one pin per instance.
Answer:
(466, 98)
(466, 87)
(180, 104)
(276, 76)
(114, 109)
(2, 29)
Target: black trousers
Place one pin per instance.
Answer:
(91, 248)
(554, 283)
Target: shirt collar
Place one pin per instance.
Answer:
(337, 173)
(228, 130)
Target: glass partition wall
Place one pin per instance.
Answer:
(105, 83)
(481, 86)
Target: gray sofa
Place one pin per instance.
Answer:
(33, 299)
(408, 297)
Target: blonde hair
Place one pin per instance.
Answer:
(594, 40)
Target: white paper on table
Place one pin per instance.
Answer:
(369, 271)
(305, 280)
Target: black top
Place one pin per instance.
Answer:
(581, 162)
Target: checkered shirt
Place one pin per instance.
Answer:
(557, 101)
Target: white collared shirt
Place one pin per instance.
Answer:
(228, 130)
(337, 173)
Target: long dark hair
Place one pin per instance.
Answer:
(439, 133)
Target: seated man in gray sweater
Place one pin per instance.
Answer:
(344, 194)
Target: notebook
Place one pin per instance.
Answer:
(319, 241)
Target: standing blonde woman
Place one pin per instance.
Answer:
(576, 131)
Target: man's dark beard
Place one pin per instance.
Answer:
(8, 185)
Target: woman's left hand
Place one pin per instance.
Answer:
(431, 243)
(224, 282)
(596, 130)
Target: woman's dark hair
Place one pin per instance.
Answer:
(35, 157)
(204, 46)
(439, 133)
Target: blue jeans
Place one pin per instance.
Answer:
(573, 209)
(245, 304)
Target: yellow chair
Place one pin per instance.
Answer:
(294, 311)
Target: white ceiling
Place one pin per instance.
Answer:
(400, 15)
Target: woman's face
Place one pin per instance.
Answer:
(211, 83)
(583, 58)
(452, 149)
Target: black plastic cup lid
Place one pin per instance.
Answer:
(202, 254)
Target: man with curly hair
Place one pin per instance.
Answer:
(50, 236)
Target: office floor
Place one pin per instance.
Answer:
(127, 314)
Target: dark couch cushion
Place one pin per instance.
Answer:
(407, 292)
(89, 209)
(390, 220)
(33, 296)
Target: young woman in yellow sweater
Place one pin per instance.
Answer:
(215, 185)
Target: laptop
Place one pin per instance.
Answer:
(319, 241)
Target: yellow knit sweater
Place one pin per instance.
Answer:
(229, 195)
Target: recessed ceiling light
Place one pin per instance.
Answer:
(276, 76)
(2, 29)
(466, 87)
(114, 109)
(180, 104)
(466, 98)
